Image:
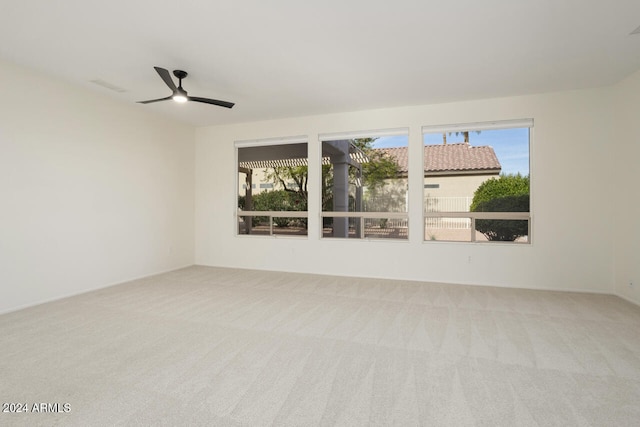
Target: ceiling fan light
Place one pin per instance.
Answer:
(179, 98)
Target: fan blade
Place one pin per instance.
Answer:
(155, 100)
(211, 101)
(164, 74)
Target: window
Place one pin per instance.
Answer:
(476, 182)
(278, 205)
(364, 185)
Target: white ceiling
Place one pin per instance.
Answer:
(292, 58)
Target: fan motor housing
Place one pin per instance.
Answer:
(180, 74)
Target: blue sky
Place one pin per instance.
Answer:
(391, 141)
(511, 145)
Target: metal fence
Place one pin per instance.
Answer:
(448, 204)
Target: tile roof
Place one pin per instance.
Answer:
(449, 158)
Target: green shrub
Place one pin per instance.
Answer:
(509, 193)
(279, 200)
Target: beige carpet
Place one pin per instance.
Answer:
(224, 347)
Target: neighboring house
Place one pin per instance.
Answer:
(452, 173)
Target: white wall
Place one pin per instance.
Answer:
(571, 201)
(626, 184)
(92, 192)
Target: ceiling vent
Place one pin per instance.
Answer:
(108, 85)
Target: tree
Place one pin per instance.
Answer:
(374, 172)
(380, 166)
(465, 135)
(298, 174)
(509, 193)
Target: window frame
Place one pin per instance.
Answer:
(238, 213)
(361, 217)
(473, 216)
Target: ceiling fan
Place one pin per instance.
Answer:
(179, 94)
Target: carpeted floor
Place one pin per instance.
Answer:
(225, 347)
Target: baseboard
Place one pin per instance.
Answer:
(73, 294)
(632, 301)
(404, 279)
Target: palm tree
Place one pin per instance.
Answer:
(465, 134)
